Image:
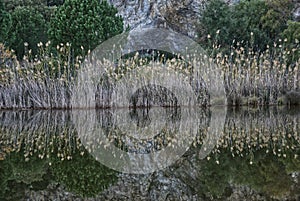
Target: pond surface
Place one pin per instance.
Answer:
(229, 154)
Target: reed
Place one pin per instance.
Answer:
(48, 80)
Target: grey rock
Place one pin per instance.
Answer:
(296, 13)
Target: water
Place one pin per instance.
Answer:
(250, 154)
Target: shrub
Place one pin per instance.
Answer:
(84, 24)
(5, 23)
(216, 18)
(256, 23)
(292, 36)
(28, 27)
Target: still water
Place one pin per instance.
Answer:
(204, 154)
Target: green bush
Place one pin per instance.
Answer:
(5, 23)
(84, 24)
(216, 18)
(246, 20)
(55, 2)
(275, 19)
(28, 26)
(256, 23)
(292, 36)
(12, 4)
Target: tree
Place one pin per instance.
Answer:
(84, 24)
(275, 19)
(247, 23)
(292, 37)
(216, 18)
(257, 23)
(5, 23)
(55, 2)
(28, 27)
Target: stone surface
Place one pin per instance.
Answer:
(296, 13)
(180, 16)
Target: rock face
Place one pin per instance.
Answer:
(180, 16)
(296, 13)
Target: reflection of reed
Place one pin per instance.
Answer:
(275, 130)
(42, 132)
(245, 132)
(140, 132)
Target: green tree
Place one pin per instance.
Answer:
(84, 24)
(216, 18)
(28, 26)
(5, 23)
(246, 20)
(292, 36)
(275, 19)
(257, 23)
(55, 2)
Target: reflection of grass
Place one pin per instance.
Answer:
(48, 138)
(260, 149)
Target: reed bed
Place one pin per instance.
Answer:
(43, 81)
(259, 78)
(251, 78)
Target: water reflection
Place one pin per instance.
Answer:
(117, 139)
(255, 156)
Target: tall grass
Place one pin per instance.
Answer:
(258, 78)
(41, 81)
(47, 80)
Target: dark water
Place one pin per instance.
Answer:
(253, 154)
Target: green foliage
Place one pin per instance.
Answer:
(5, 23)
(13, 4)
(84, 24)
(256, 23)
(292, 36)
(83, 175)
(28, 25)
(275, 19)
(40, 5)
(217, 16)
(16, 175)
(54, 2)
(246, 20)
